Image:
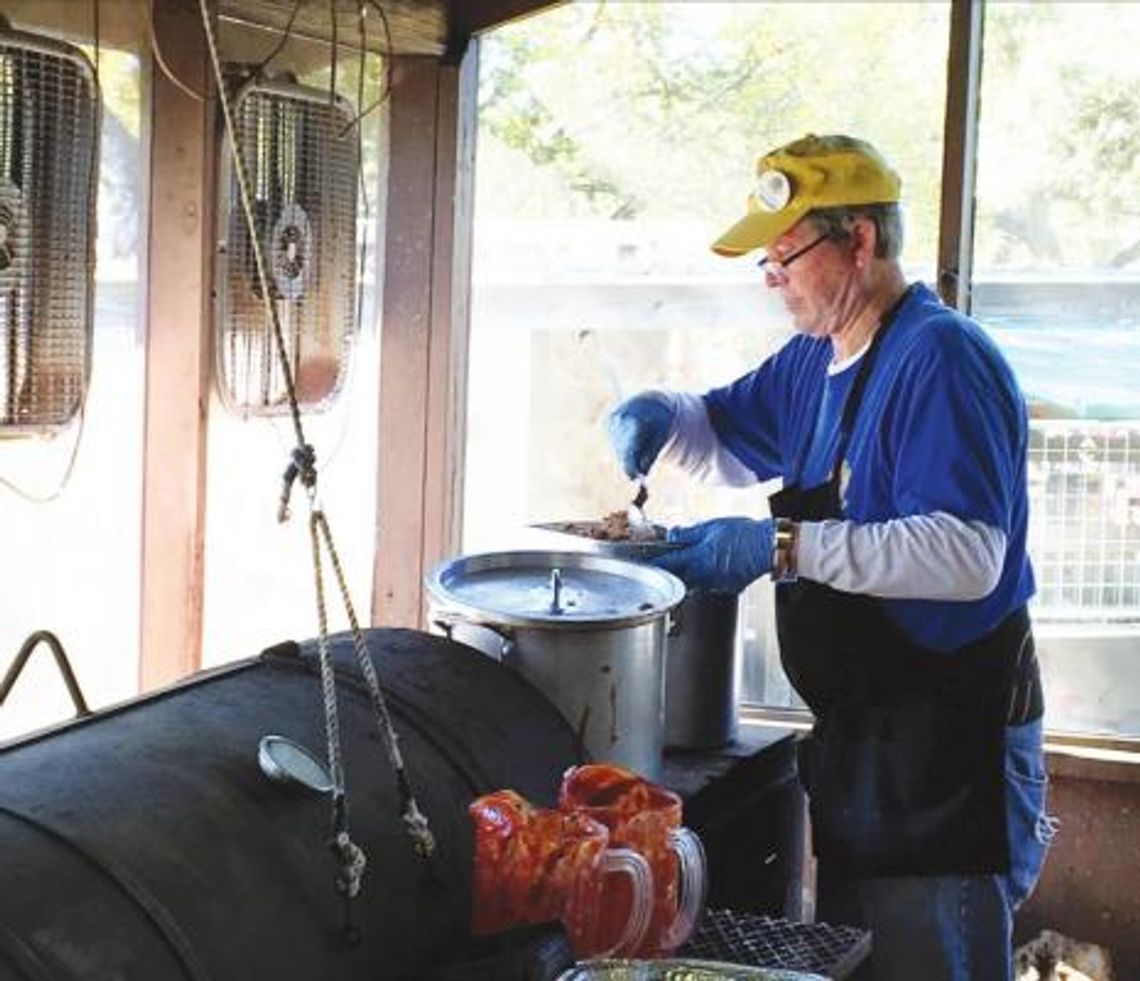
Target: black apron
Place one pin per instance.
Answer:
(904, 766)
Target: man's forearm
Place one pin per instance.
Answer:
(928, 556)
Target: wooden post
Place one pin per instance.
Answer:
(423, 343)
(959, 154)
(179, 232)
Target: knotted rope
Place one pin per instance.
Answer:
(350, 858)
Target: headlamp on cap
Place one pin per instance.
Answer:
(773, 190)
(806, 174)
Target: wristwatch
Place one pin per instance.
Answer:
(784, 550)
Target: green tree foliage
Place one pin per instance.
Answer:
(656, 110)
(1059, 143)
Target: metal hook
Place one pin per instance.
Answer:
(25, 652)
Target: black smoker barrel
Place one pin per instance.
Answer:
(145, 843)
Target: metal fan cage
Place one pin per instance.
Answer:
(301, 160)
(49, 134)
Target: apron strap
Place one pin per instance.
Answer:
(855, 396)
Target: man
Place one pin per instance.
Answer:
(898, 547)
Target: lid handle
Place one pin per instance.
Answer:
(556, 590)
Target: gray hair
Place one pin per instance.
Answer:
(836, 224)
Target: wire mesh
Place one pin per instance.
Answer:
(765, 941)
(1084, 528)
(302, 172)
(49, 125)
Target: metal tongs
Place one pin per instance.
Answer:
(640, 527)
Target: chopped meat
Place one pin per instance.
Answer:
(614, 527)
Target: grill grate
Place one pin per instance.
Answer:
(302, 166)
(764, 941)
(49, 126)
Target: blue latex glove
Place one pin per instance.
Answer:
(638, 429)
(721, 556)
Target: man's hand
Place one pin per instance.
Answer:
(638, 429)
(720, 556)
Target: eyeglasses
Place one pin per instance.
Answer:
(778, 267)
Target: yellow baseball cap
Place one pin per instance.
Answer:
(808, 173)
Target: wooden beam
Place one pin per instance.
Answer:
(179, 230)
(423, 331)
(416, 27)
(472, 16)
(120, 23)
(959, 154)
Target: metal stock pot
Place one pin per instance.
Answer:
(588, 631)
(702, 655)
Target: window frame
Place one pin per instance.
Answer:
(955, 261)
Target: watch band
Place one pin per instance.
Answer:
(784, 550)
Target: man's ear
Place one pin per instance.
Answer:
(864, 240)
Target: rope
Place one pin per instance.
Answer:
(303, 464)
(281, 41)
(95, 25)
(33, 497)
(160, 59)
(388, 52)
(346, 853)
(414, 820)
(255, 241)
(349, 857)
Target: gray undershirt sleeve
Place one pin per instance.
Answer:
(933, 556)
(693, 446)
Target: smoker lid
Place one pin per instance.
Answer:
(552, 590)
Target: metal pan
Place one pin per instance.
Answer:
(584, 536)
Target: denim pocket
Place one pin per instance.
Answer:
(1030, 829)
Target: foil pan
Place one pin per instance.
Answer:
(678, 970)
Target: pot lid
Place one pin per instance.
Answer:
(554, 589)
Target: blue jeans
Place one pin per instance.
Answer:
(958, 927)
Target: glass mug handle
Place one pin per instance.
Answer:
(693, 887)
(641, 909)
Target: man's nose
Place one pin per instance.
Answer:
(774, 278)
